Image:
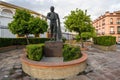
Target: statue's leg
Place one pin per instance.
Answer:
(51, 29)
(55, 31)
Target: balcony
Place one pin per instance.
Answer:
(103, 24)
(112, 32)
(118, 22)
(111, 22)
(103, 33)
(118, 32)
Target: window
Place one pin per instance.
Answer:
(7, 13)
(103, 22)
(96, 25)
(111, 20)
(112, 30)
(103, 33)
(118, 29)
(99, 24)
(118, 38)
(118, 20)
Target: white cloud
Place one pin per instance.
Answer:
(63, 7)
(95, 8)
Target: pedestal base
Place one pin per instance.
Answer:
(53, 48)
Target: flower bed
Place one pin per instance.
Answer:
(53, 70)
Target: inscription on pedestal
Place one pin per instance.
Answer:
(53, 48)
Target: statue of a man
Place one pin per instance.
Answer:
(54, 24)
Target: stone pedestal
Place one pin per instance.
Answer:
(53, 48)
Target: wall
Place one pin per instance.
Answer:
(98, 24)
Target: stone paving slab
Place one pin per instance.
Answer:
(101, 66)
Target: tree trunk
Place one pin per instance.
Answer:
(27, 39)
(82, 43)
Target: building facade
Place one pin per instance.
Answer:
(108, 24)
(7, 12)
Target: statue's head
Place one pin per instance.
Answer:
(52, 8)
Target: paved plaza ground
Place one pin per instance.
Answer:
(101, 66)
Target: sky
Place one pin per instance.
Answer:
(95, 8)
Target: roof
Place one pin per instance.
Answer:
(18, 7)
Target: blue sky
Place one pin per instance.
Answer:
(95, 8)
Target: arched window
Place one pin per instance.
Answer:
(7, 13)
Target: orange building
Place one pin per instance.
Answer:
(108, 24)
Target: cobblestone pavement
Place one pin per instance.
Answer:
(101, 66)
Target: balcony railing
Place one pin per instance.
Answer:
(111, 22)
(112, 32)
(118, 22)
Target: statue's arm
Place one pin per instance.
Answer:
(48, 16)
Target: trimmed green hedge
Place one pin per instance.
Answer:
(20, 41)
(35, 52)
(71, 52)
(105, 40)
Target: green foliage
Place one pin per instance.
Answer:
(25, 23)
(5, 42)
(71, 53)
(88, 35)
(37, 25)
(35, 52)
(38, 40)
(20, 23)
(77, 37)
(63, 39)
(20, 41)
(105, 40)
(79, 22)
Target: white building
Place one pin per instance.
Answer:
(7, 11)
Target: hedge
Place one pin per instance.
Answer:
(71, 52)
(20, 41)
(105, 40)
(35, 52)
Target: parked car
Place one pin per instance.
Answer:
(118, 42)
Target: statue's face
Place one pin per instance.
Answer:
(52, 9)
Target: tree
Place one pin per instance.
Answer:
(24, 23)
(37, 25)
(79, 22)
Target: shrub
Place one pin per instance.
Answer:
(20, 41)
(5, 42)
(35, 52)
(63, 39)
(71, 52)
(105, 40)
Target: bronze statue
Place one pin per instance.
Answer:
(54, 25)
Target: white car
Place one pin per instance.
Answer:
(118, 42)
